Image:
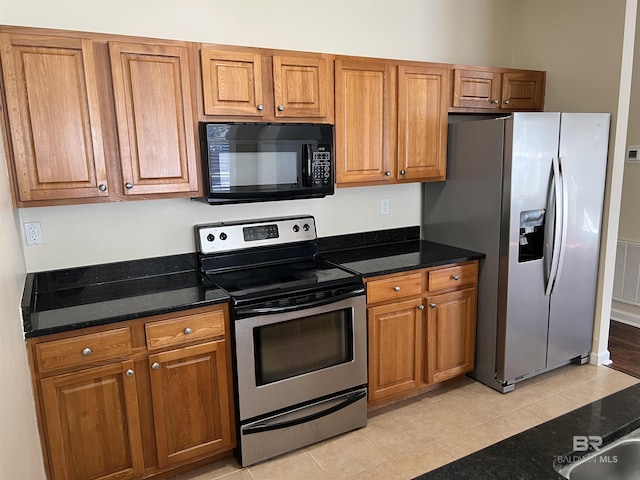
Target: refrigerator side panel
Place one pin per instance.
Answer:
(583, 158)
(524, 307)
(465, 211)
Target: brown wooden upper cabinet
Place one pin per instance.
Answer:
(481, 89)
(55, 127)
(391, 121)
(92, 119)
(266, 85)
(154, 118)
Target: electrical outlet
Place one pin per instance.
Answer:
(385, 206)
(33, 233)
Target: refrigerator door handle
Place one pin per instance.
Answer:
(557, 228)
(565, 220)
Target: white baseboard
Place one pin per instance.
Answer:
(600, 358)
(625, 317)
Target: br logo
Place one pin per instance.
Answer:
(581, 443)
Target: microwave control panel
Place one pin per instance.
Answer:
(321, 168)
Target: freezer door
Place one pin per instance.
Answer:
(531, 146)
(583, 158)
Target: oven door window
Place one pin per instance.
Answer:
(256, 167)
(295, 347)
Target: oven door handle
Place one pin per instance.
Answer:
(267, 425)
(245, 312)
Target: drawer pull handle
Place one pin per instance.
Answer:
(129, 373)
(86, 351)
(432, 305)
(155, 366)
(187, 331)
(397, 289)
(455, 277)
(420, 307)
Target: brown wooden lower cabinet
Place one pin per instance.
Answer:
(140, 409)
(190, 396)
(92, 423)
(419, 337)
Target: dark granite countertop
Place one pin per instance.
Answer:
(390, 251)
(61, 300)
(67, 299)
(531, 455)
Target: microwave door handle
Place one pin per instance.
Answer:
(306, 176)
(266, 425)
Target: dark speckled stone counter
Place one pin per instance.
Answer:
(530, 455)
(62, 300)
(390, 251)
(68, 299)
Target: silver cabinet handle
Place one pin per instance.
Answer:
(397, 289)
(388, 174)
(187, 331)
(129, 373)
(128, 185)
(420, 307)
(455, 277)
(155, 366)
(432, 305)
(86, 351)
(281, 108)
(102, 187)
(506, 102)
(260, 107)
(402, 172)
(496, 101)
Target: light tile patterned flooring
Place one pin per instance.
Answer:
(420, 434)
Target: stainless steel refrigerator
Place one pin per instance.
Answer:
(527, 190)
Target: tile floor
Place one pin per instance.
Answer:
(421, 434)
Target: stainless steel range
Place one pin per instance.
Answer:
(299, 333)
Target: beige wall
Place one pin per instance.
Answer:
(20, 456)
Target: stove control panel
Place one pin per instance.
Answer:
(229, 236)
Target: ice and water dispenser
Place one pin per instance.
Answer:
(531, 235)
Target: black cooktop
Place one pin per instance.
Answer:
(286, 277)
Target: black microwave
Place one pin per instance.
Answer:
(252, 162)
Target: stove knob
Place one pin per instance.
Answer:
(306, 227)
(296, 228)
(223, 236)
(210, 237)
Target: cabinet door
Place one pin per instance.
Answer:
(190, 395)
(232, 83)
(450, 336)
(523, 90)
(54, 117)
(92, 424)
(477, 89)
(365, 122)
(301, 86)
(394, 348)
(422, 122)
(152, 91)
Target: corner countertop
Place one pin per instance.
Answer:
(62, 300)
(68, 299)
(390, 251)
(531, 455)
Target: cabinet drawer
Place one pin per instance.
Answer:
(452, 276)
(177, 331)
(83, 350)
(392, 288)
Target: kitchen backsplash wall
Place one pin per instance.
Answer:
(90, 234)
